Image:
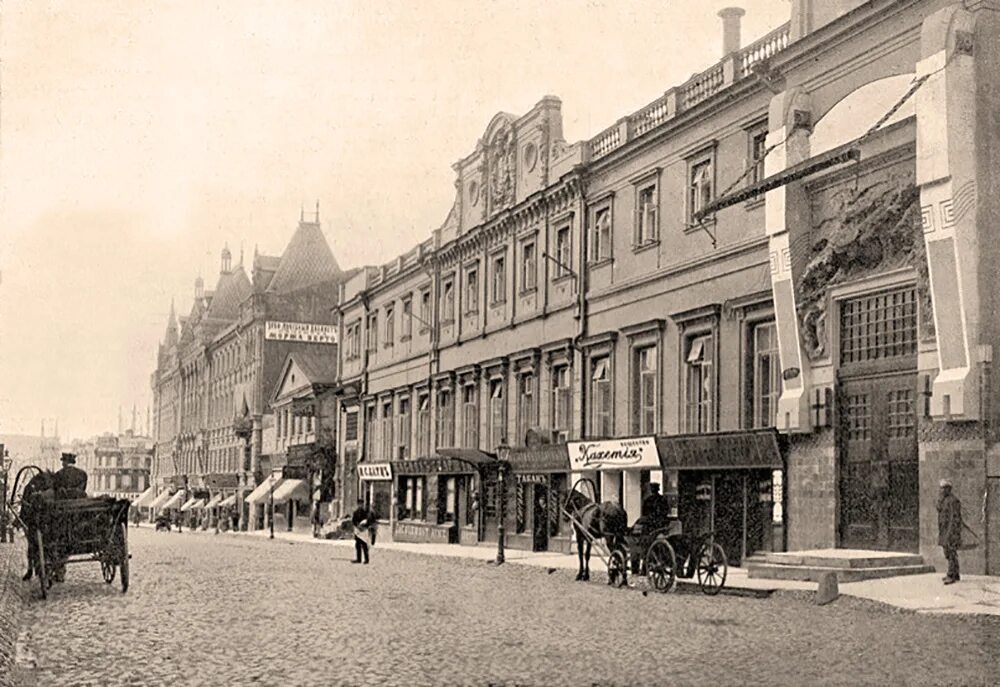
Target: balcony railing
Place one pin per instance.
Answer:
(697, 89)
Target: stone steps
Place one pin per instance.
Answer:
(848, 565)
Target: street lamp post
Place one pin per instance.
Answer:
(4, 515)
(270, 517)
(503, 453)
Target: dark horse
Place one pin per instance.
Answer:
(606, 521)
(39, 488)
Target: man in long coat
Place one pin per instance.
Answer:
(70, 481)
(949, 529)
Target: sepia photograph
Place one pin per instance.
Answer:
(499, 343)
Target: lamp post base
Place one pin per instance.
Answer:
(500, 546)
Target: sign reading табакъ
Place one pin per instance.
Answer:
(614, 454)
(304, 332)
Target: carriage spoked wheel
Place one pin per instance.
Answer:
(712, 567)
(661, 565)
(616, 569)
(43, 577)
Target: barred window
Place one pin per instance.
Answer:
(857, 413)
(878, 327)
(902, 419)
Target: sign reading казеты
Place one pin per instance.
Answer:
(301, 331)
(614, 454)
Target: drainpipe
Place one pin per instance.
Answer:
(581, 313)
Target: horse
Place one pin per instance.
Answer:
(606, 521)
(39, 488)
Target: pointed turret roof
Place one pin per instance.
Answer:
(172, 334)
(233, 288)
(307, 260)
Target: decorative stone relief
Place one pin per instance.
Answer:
(501, 162)
(869, 230)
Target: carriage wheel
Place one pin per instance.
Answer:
(123, 551)
(712, 568)
(43, 577)
(108, 571)
(661, 565)
(616, 569)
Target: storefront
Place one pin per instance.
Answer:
(538, 487)
(730, 483)
(621, 470)
(435, 501)
(375, 488)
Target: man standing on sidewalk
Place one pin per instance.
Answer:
(364, 533)
(949, 529)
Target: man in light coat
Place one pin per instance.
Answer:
(949, 529)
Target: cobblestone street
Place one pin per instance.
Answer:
(208, 609)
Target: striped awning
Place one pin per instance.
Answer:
(292, 490)
(145, 498)
(263, 490)
(175, 501)
(228, 501)
(214, 501)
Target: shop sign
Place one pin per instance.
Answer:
(532, 479)
(374, 471)
(305, 332)
(614, 454)
(703, 492)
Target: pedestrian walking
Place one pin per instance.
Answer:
(364, 533)
(949, 529)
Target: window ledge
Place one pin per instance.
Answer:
(594, 264)
(642, 247)
(528, 291)
(562, 278)
(447, 323)
(494, 304)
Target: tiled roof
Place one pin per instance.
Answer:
(233, 288)
(307, 260)
(319, 367)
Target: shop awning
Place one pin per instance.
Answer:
(174, 501)
(214, 501)
(721, 450)
(189, 504)
(228, 501)
(544, 458)
(263, 490)
(161, 499)
(469, 455)
(145, 498)
(292, 490)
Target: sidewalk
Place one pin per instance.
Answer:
(975, 594)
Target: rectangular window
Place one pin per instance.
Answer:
(646, 212)
(447, 501)
(425, 308)
(499, 293)
(387, 430)
(445, 419)
(412, 505)
(561, 403)
(600, 246)
(351, 426)
(407, 323)
(600, 398)
(390, 325)
(498, 414)
(369, 432)
(756, 153)
(765, 374)
(403, 430)
(448, 301)
(470, 416)
(525, 404)
(471, 291)
(564, 251)
(701, 180)
(424, 426)
(372, 332)
(699, 390)
(645, 391)
(529, 267)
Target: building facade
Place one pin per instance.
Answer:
(119, 465)
(764, 290)
(217, 367)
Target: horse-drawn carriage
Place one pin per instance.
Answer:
(662, 551)
(70, 530)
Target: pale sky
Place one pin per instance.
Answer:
(137, 138)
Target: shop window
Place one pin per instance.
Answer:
(600, 243)
(381, 499)
(600, 398)
(646, 214)
(470, 501)
(387, 430)
(403, 429)
(390, 326)
(407, 324)
(564, 252)
(498, 413)
(521, 507)
(411, 506)
(447, 500)
(645, 391)
(470, 416)
(562, 403)
(471, 291)
(765, 375)
(699, 392)
(498, 293)
(525, 404)
(529, 267)
(424, 426)
(557, 496)
(445, 419)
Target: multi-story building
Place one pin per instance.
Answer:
(120, 466)
(758, 290)
(216, 369)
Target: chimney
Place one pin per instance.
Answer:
(731, 29)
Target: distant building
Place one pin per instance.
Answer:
(120, 466)
(217, 367)
(24, 449)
